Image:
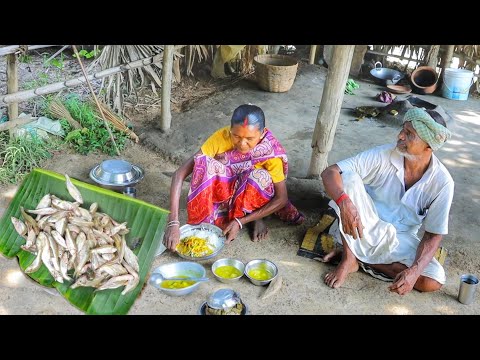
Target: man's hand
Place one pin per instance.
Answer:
(231, 231)
(351, 219)
(404, 281)
(171, 237)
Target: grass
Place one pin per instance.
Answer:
(19, 155)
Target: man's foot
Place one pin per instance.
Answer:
(337, 277)
(259, 231)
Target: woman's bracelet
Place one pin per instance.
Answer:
(173, 223)
(239, 223)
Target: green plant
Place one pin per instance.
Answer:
(93, 135)
(58, 63)
(42, 80)
(87, 54)
(25, 58)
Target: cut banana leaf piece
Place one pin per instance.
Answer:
(144, 220)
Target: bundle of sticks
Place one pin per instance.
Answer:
(59, 110)
(116, 121)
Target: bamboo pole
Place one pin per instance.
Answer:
(329, 111)
(313, 50)
(58, 52)
(51, 88)
(12, 49)
(12, 84)
(167, 66)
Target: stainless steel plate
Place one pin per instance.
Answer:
(213, 234)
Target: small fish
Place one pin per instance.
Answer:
(72, 190)
(19, 225)
(44, 202)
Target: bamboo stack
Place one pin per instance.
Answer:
(59, 110)
(116, 121)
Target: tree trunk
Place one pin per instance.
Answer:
(167, 67)
(330, 106)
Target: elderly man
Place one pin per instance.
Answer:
(382, 197)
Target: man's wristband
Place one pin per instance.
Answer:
(341, 198)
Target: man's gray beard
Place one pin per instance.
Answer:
(405, 154)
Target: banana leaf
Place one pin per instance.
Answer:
(144, 220)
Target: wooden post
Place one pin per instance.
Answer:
(329, 110)
(167, 66)
(313, 50)
(12, 84)
(432, 57)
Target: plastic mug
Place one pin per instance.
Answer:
(468, 286)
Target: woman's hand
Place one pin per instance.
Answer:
(171, 237)
(351, 219)
(231, 231)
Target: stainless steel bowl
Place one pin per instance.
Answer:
(213, 234)
(116, 173)
(237, 264)
(182, 268)
(264, 263)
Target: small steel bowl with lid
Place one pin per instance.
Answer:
(223, 302)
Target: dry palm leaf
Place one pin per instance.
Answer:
(126, 84)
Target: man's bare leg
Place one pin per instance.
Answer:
(347, 265)
(423, 283)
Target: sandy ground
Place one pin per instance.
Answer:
(291, 116)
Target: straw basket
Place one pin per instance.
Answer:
(275, 73)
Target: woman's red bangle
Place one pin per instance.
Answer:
(341, 198)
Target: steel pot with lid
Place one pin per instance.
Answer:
(223, 299)
(223, 302)
(117, 175)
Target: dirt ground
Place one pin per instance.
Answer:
(291, 116)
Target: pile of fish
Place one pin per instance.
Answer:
(64, 236)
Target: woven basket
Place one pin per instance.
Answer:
(275, 73)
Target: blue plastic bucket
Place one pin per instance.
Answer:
(456, 84)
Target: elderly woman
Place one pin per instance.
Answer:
(238, 178)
